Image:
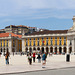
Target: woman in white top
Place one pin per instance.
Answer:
(30, 59)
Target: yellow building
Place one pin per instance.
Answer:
(53, 41)
(46, 41)
(57, 41)
(11, 42)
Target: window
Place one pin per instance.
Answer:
(47, 38)
(55, 37)
(34, 38)
(51, 37)
(42, 43)
(38, 38)
(59, 37)
(4, 43)
(42, 38)
(7, 43)
(30, 43)
(51, 42)
(34, 43)
(64, 37)
(38, 43)
(1, 44)
(26, 43)
(46, 42)
(60, 42)
(55, 42)
(64, 42)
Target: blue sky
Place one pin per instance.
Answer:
(47, 14)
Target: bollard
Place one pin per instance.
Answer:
(68, 58)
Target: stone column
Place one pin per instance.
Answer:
(32, 49)
(58, 50)
(40, 49)
(62, 49)
(28, 49)
(16, 46)
(68, 42)
(53, 49)
(44, 49)
(10, 45)
(73, 45)
(49, 49)
(23, 45)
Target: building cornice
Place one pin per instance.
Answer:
(45, 35)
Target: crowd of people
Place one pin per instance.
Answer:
(40, 57)
(31, 58)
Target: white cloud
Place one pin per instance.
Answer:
(37, 8)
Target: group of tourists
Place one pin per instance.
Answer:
(39, 57)
(31, 56)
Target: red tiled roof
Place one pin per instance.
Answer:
(4, 34)
(7, 35)
(16, 35)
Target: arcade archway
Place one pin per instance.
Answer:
(65, 49)
(1, 49)
(26, 50)
(51, 49)
(13, 50)
(42, 49)
(34, 49)
(70, 49)
(30, 50)
(55, 50)
(47, 50)
(60, 50)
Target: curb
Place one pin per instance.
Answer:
(36, 70)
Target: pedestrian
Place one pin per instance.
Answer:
(34, 57)
(0, 54)
(43, 60)
(39, 58)
(30, 59)
(46, 54)
(7, 57)
(13, 53)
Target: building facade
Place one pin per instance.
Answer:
(46, 41)
(58, 41)
(11, 42)
(19, 29)
(53, 41)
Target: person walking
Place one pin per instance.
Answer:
(7, 57)
(39, 58)
(45, 56)
(30, 59)
(43, 60)
(34, 57)
(0, 54)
